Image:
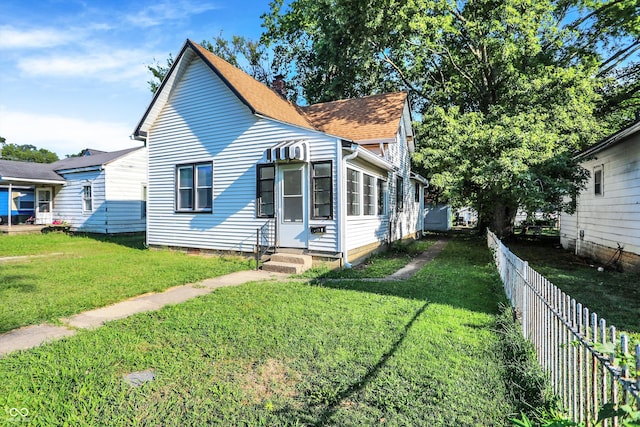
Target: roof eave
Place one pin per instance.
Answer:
(80, 169)
(368, 156)
(614, 139)
(31, 180)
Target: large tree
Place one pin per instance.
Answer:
(27, 153)
(505, 90)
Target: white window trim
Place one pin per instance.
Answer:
(598, 168)
(376, 178)
(194, 189)
(144, 195)
(85, 199)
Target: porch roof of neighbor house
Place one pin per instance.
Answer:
(359, 119)
(28, 172)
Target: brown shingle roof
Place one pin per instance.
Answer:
(359, 119)
(260, 98)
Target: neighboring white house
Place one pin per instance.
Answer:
(104, 192)
(100, 192)
(608, 210)
(228, 155)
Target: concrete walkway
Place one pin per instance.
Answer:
(33, 336)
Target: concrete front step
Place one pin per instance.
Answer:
(288, 263)
(305, 260)
(282, 267)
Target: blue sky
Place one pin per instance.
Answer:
(73, 73)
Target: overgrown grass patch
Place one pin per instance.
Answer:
(90, 273)
(417, 352)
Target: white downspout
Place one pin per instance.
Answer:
(343, 204)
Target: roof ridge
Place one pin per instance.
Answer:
(275, 106)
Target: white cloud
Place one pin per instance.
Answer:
(165, 11)
(112, 66)
(63, 135)
(12, 38)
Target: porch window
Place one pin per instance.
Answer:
(353, 192)
(597, 180)
(265, 191)
(194, 187)
(399, 194)
(322, 190)
(416, 193)
(26, 201)
(369, 194)
(381, 197)
(87, 198)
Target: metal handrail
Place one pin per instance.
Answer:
(264, 243)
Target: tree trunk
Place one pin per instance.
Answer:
(503, 220)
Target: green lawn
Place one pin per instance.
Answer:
(614, 296)
(423, 352)
(377, 266)
(71, 274)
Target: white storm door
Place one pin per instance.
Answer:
(44, 206)
(292, 222)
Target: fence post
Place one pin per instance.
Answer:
(525, 293)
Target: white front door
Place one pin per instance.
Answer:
(292, 186)
(44, 205)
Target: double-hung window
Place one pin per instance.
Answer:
(322, 191)
(598, 176)
(87, 198)
(194, 187)
(381, 197)
(399, 194)
(369, 194)
(353, 192)
(265, 191)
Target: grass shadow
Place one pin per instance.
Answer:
(16, 282)
(358, 386)
(129, 240)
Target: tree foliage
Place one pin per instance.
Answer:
(506, 90)
(26, 153)
(241, 52)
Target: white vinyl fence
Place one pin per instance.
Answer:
(588, 365)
